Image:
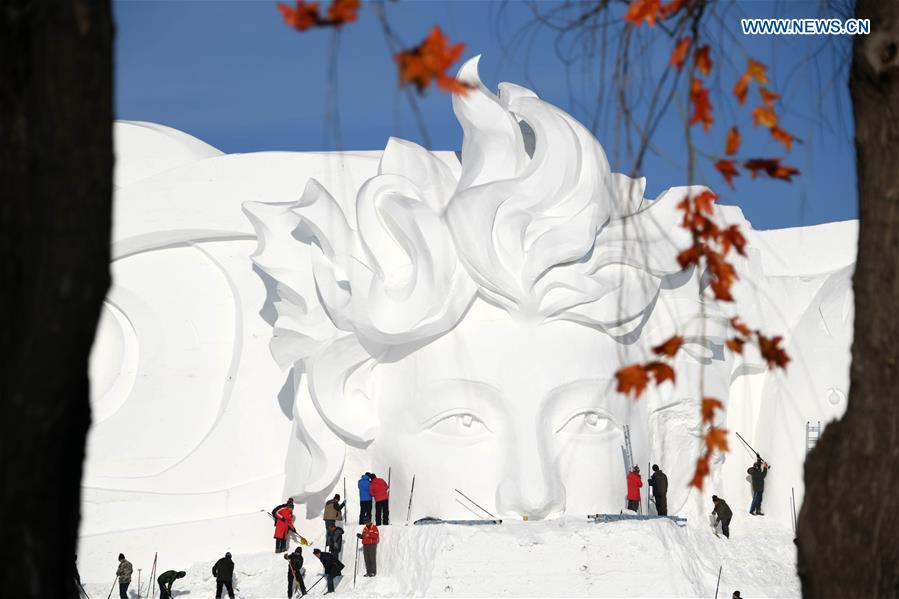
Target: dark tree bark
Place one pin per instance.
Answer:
(56, 162)
(849, 524)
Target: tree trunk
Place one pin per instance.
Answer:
(849, 524)
(56, 162)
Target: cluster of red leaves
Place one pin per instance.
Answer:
(306, 15)
(429, 61)
(634, 378)
(699, 93)
(769, 347)
(765, 115)
(711, 243)
(650, 11)
(715, 439)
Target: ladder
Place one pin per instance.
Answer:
(812, 434)
(627, 448)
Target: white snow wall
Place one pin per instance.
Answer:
(195, 421)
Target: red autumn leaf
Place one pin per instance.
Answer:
(669, 347)
(783, 137)
(735, 345)
(689, 256)
(680, 53)
(732, 237)
(756, 70)
(702, 108)
(302, 17)
(716, 439)
(721, 290)
(771, 167)
(709, 405)
(732, 145)
(768, 96)
(728, 170)
(702, 470)
(632, 379)
(770, 349)
(343, 11)
(741, 89)
(722, 274)
(429, 61)
(704, 201)
(765, 116)
(640, 11)
(661, 372)
(702, 61)
(741, 328)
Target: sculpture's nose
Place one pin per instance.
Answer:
(531, 486)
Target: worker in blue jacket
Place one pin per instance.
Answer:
(365, 501)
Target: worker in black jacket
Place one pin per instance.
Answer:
(332, 566)
(658, 482)
(295, 571)
(166, 580)
(757, 473)
(723, 514)
(223, 570)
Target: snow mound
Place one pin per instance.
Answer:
(567, 557)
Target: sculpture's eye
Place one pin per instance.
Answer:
(587, 422)
(458, 424)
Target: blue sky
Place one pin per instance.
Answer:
(233, 75)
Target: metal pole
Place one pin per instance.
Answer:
(749, 446)
(138, 583)
(718, 584)
(472, 501)
(346, 502)
(409, 509)
(356, 562)
(795, 521)
(113, 586)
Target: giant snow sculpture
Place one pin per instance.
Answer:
(411, 314)
(465, 328)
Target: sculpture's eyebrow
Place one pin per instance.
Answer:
(466, 393)
(478, 386)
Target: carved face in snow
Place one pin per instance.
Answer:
(464, 324)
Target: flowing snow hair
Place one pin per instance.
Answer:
(535, 222)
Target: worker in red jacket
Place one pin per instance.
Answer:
(380, 491)
(283, 525)
(633, 489)
(370, 538)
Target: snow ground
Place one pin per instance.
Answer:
(568, 557)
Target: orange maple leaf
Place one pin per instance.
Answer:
(783, 137)
(702, 470)
(640, 11)
(661, 372)
(741, 89)
(669, 347)
(732, 145)
(771, 167)
(716, 439)
(680, 53)
(671, 8)
(741, 328)
(765, 116)
(702, 108)
(343, 11)
(756, 70)
(709, 405)
(732, 237)
(735, 345)
(770, 349)
(702, 61)
(768, 96)
(704, 201)
(728, 170)
(689, 256)
(429, 61)
(632, 379)
(302, 17)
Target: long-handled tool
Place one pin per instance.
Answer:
(112, 588)
(473, 502)
(718, 584)
(750, 448)
(356, 563)
(409, 509)
(138, 583)
(309, 590)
